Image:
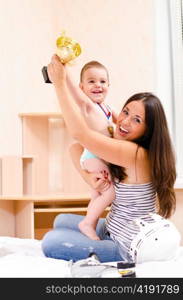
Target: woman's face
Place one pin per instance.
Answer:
(131, 122)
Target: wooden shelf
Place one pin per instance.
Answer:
(41, 114)
(62, 209)
(39, 198)
(28, 156)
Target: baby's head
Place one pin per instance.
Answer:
(94, 81)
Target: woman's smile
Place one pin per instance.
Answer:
(123, 131)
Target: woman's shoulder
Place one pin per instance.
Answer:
(142, 153)
(139, 152)
(139, 170)
(143, 166)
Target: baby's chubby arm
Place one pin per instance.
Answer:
(80, 97)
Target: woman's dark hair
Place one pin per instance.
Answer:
(156, 140)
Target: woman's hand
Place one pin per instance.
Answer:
(56, 71)
(98, 181)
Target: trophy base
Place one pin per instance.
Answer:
(45, 75)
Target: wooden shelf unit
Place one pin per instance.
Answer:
(42, 182)
(30, 215)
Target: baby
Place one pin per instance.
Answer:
(94, 83)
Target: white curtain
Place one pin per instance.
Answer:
(176, 25)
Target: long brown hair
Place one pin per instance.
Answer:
(156, 140)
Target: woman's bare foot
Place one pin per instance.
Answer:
(88, 230)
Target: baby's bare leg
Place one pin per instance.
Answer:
(99, 201)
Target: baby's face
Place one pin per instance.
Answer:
(95, 84)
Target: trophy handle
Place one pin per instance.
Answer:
(45, 75)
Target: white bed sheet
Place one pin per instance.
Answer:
(24, 258)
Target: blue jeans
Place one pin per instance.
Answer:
(66, 241)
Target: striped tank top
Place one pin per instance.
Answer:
(132, 201)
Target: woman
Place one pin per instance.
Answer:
(142, 162)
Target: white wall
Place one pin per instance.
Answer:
(27, 29)
(118, 33)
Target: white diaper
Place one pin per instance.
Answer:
(86, 155)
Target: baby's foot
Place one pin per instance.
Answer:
(88, 230)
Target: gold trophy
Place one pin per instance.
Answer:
(67, 49)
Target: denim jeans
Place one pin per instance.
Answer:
(65, 241)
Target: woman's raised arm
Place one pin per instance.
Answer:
(80, 98)
(118, 152)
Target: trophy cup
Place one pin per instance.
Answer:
(67, 49)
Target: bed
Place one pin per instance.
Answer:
(23, 258)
